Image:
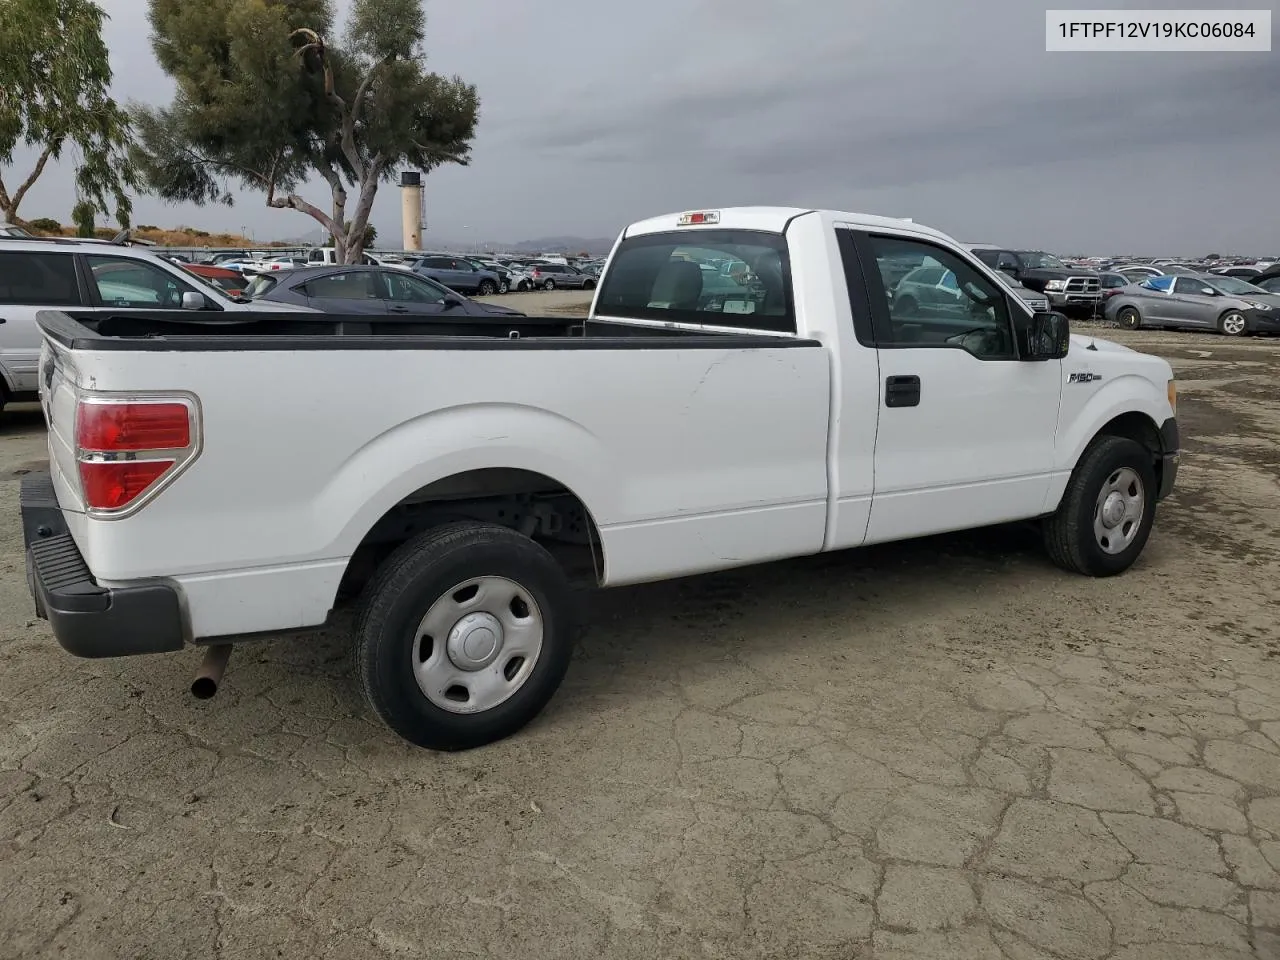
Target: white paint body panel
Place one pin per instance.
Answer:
(688, 460)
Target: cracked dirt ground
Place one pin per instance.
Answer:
(944, 749)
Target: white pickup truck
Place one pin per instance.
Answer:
(744, 390)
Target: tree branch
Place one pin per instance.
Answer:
(4, 196)
(11, 207)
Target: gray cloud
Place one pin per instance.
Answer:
(952, 113)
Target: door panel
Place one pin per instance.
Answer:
(965, 433)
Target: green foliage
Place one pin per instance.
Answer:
(45, 225)
(54, 80)
(266, 101)
(82, 216)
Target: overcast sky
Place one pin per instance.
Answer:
(598, 113)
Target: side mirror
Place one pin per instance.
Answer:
(1042, 336)
(193, 301)
(1208, 292)
(451, 301)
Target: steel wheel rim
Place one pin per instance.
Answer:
(478, 645)
(506, 287)
(1233, 323)
(1118, 511)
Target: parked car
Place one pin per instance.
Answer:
(369, 290)
(1112, 283)
(549, 276)
(328, 256)
(1205, 302)
(102, 279)
(230, 282)
(1075, 291)
(1249, 273)
(458, 273)
(433, 476)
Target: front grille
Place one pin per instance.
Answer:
(1084, 285)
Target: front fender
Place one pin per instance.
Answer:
(1127, 393)
(454, 440)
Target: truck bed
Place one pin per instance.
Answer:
(170, 330)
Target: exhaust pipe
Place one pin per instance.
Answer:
(209, 676)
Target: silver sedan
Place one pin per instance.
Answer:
(1198, 302)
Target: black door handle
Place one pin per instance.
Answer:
(903, 391)
(398, 309)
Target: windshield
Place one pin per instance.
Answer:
(1041, 261)
(1233, 286)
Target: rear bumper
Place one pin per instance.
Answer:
(1170, 444)
(90, 620)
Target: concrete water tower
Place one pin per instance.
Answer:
(412, 215)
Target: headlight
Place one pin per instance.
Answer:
(1056, 285)
(1173, 397)
(1257, 306)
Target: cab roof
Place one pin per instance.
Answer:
(774, 220)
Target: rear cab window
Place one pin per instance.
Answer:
(739, 279)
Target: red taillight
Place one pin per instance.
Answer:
(110, 485)
(111, 427)
(126, 447)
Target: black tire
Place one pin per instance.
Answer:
(1069, 534)
(1129, 318)
(588, 285)
(487, 288)
(505, 287)
(1233, 323)
(413, 578)
(907, 305)
(525, 286)
(549, 285)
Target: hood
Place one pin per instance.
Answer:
(1081, 341)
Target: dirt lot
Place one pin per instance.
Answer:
(943, 749)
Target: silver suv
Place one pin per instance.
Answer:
(43, 274)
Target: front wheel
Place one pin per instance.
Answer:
(525, 286)
(505, 287)
(1129, 318)
(464, 635)
(488, 288)
(589, 285)
(549, 285)
(1232, 323)
(1105, 516)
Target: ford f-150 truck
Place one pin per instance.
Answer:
(697, 419)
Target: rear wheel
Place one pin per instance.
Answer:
(549, 285)
(1129, 318)
(505, 287)
(464, 635)
(1233, 323)
(488, 288)
(1105, 516)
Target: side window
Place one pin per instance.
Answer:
(1193, 285)
(315, 256)
(38, 280)
(409, 289)
(1159, 284)
(136, 283)
(976, 319)
(343, 286)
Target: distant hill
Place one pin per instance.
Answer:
(597, 246)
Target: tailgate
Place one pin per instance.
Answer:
(58, 396)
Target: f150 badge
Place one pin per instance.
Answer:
(1084, 377)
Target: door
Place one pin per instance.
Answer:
(965, 435)
(412, 296)
(1192, 303)
(462, 277)
(30, 282)
(346, 292)
(1155, 300)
